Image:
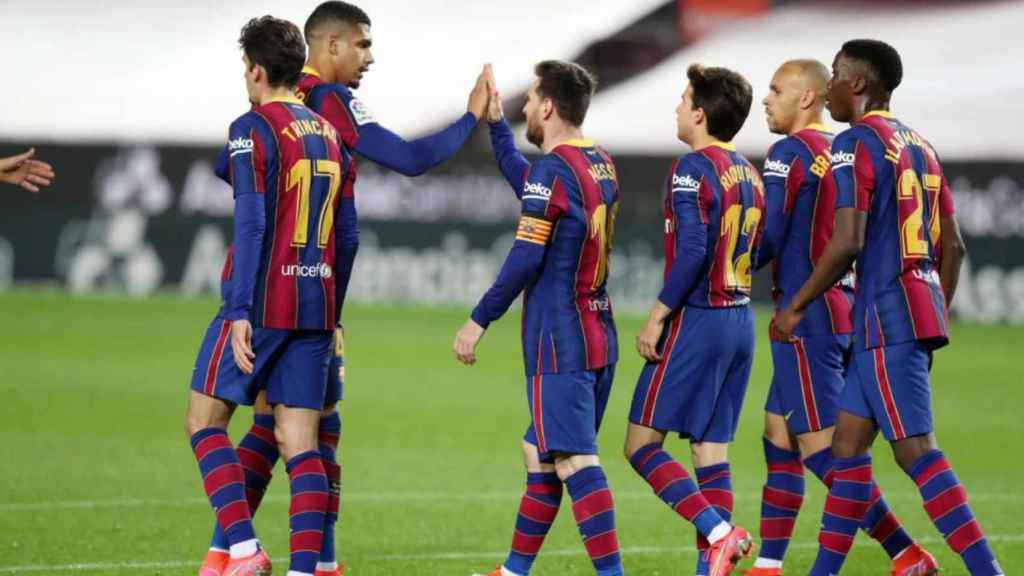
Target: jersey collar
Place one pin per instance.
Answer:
(286, 99)
(307, 69)
(578, 143)
(882, 113)
(816, 126)
(722, 145)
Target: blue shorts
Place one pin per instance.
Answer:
(290, 364)
(566, 410)
(807, 380)
(697, 389)
(890, 385)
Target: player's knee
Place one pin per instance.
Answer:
(293, 440)
(909, 450)
(709, 453)
(847, 446)
(777, 432)
(197, 420)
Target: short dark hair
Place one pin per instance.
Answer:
(725, 97)
(883, 59)
(334, 11)
(276, 45)
(569, 85)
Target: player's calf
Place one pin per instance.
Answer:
(594, 510)
(945, 500)
(328, 436)
(673, 484)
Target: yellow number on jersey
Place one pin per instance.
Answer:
(300, 177)
(737, 272)
(912, 241)
(602, 227)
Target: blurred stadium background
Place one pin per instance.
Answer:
(108, 277)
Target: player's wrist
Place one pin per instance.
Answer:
(479, 318)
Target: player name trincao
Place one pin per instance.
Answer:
(321, 270)
(303, 127)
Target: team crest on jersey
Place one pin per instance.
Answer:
(360, 113)
(536, 190)
(685, 183)
(776, 167)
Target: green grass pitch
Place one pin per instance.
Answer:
(96, 476)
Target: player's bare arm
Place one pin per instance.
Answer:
(22, 170)
(953, 252)
(840, 253)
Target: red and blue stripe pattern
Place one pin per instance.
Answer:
(537, 511)
(595, 516)
(945, 500)
(658, 378)
(848, 500)
(715, 484)
(673, 485)
(781, 499)
(258, 454)
(328, 437)
(307, 509)
(879, 521)
(224, 482)
(893, 174)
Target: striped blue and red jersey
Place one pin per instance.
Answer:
(560, 261)
(287, 166)
(800, 194)
(884, 168)
(713, 210)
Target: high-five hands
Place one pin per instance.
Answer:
(22, 171)
(494, 110)
(481, 93)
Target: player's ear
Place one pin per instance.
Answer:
(547, 107)
(698, 116)
(807, 99)
(858, 84)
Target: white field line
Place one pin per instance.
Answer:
(356, 498)
(493, 555)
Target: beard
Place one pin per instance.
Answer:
(534, 133)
